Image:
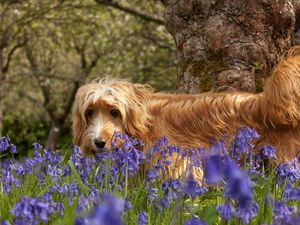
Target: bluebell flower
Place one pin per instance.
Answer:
(60, 207)
(293, 219)
(282, 212)
(291, 193)
(8, 180)
(160, 144)
(193, 188)
(194, 221)
(13, 149)
(175, 149)
(269, 152)
(166, 200)
(243, 141)
(127, 205)
(30, 210)
(107, 213)
(48, 197)
(162, 165)
(54, 171)
(195, 158)
(152, 174)
(94, 195)
(238, 185)
(5, 222)
(218, 147)
(213, 169)
(247, 212)
(289, 171)
(83, 203)
(127, 156)
(4, 144)
(173, 189)
(152, 193)
(226, 211)
(18, 167)
(52, 157)
(143, 218)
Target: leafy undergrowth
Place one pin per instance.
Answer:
(110, 189)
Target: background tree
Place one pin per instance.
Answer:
(228, 44)
(16, 16)
(78, 42)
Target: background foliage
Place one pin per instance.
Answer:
(67, 43)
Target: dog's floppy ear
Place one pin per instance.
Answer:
(138, 118)
(134, 98)
(79, 123)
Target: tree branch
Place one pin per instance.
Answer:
(164, 2)
(133, 11)
(11, 52)
(50, 108)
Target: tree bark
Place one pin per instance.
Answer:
(1, 112)
(2, 82)
(229, 44)
(54, 135)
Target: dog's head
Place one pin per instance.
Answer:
(103, 107)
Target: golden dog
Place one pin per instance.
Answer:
(109, 105)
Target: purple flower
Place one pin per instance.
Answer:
(194, 221)
(107, 213)
(127, 155)
(213, 169)
(291, 193)
(173, 189)
(288, 171)
(282, 211)
(37, 146)
(5, 222)
(247, 212)
(242, 142)
(193, 188)
(83, 203)
(152, 193)
(127, 205)
(143, 218)
(269, 152)
(30, 210)
(238, 184)
(166, 200)
(162, 142)
(60, 207)
(54, 171)
(8, 180)
(13, 149)
(152, 174)
(226, 211)
(4, 144)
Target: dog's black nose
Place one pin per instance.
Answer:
(100, 143)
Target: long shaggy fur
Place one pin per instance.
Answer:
(192, 120)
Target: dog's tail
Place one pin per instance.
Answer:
(280, 102)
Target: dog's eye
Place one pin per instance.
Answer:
(114, 112)
(89, 114)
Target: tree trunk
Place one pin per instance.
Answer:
(228, 44)
(53, 136)
(1, 114)
(2, 82)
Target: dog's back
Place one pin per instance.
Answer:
(192, 120)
